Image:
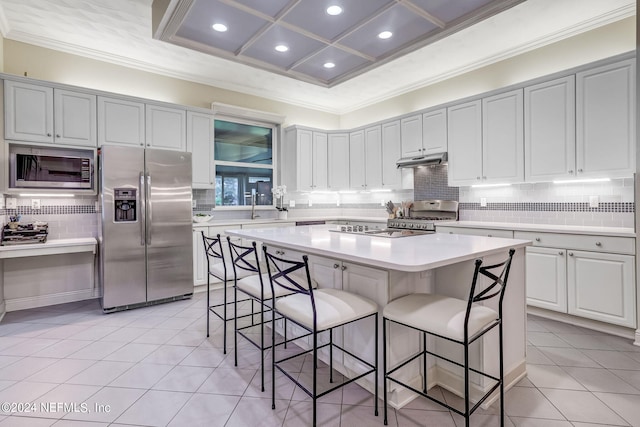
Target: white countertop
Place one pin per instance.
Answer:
(549, 228)
(50, 247)
(416, 253)
(228, 222)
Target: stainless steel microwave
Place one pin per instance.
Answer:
(44, 167)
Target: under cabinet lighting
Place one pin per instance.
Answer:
(329, 65)
(580, 181)
(381, 190)
(489, 185)
(45, 195)
(385, 35)
(282, 48)
(221, 28)
(334, 10)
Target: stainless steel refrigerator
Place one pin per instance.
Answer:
(145, 232)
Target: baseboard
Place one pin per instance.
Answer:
(3, 310)
(595, 325)
(53, 299)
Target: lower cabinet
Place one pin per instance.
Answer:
(594, 284)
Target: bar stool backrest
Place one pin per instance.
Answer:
(498, 274)
(244, 258)
(213, 250)
(281, 272)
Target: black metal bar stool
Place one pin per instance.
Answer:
(317, 311)
(455, 320)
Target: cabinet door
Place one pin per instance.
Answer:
(120, 122)
(199, 258)
(391, 152)
(75, 118)
(464, 135)
(373, 157)
(549, 130)
(434, 131)
(166, 128)
(357, 179)
(338, 162)
(411, 135)
(546, 278)
(28, 112)
(502, 138)
(304, 160)
(320, 161)
(602, 287)
(200, 139)
(605, 118)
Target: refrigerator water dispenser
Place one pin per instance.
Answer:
(124, 205)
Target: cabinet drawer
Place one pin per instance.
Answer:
(486, 232)
(622, 245)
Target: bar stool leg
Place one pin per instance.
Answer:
(375, 373)
(224, 320)
(235, 325)
(315, 375)
(331, 355)
(467, 416)
(501, 376)
(384, 367)
(208, 298)
(273, 353)
(424, 362)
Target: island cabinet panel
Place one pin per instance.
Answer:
(546, 278)
(602, 287)
(550, 130)
(338, 161)
(606, 120)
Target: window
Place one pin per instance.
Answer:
(244, 163)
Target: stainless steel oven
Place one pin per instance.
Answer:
(42, 167)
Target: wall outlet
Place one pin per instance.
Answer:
(194, 204)
(292, 203)
(594, 201)
(35, 204)
(12, 203)
(382, 202)
(310, 203)
(483, 202)
(338, 202)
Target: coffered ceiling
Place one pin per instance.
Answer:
(324, 42)
(121, 32)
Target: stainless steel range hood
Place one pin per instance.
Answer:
(425, 160)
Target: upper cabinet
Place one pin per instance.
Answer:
(166, 128)
(120, 122)
(356, 160)
(549, 130)
(200, 143)
(391, 152)
(304, 160)
(43, 114)
(434, 131)
(338, 161)
(465, 143)
(365, 167)
(605, 120)
(411, 135)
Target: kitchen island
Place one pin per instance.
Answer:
(384, 269)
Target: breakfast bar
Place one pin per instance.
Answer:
(384, 268)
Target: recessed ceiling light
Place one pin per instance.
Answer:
(329, 65)
(219, 27)
(282, 48)
(385, 35)
(334, 10)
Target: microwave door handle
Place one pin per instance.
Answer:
(141, 209)
(150, 210)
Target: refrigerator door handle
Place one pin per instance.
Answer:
(141, 197)
(149, 209)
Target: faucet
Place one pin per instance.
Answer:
(253, 206)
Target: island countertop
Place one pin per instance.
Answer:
(410, 254)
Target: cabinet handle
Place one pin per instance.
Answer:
(489, 235)
(579, 170)
(484, 177)
(570, 172)
(561, 253)
(343, 268)
(598, 244)
(570, 253)
(477, 177)
(335, 266)
(48, 134)
(537, 239)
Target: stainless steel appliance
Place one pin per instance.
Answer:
(42, 167)
(145, 235)
(424, 214)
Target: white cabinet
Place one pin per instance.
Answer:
(411, 135)
(338, 161)
(605, 120)
(391, 152)
(200, 143)
(434, 131)
(549, 130)
(357, 179)
(304, 165)
(582, 275)
(166, 128)
(365, 151)
(43, 114)
(199, 257)
(485, 140)
(486, 232)
(464, 134)
(120, 122)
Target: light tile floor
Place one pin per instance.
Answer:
(154, 366)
